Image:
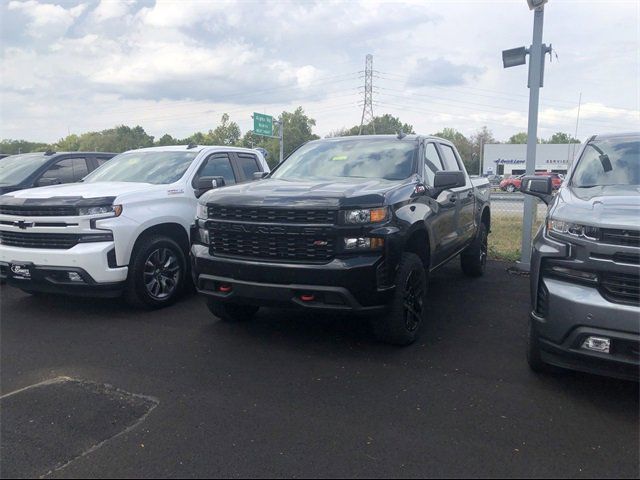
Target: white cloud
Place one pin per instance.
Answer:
(46, 19)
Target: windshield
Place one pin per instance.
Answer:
(391, 159)
(609, 162)
(144, 167)
(17, 168)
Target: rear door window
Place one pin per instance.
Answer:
(247, 164)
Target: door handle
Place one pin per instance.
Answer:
(453, 197)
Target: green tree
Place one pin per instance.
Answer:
(386, 124)
(478, 141)
(298, 129)
(561, 137)
(11, 147)
(227, 133)
(461, 142)
(117, 139)
(70, 143)
(165, 140)
(520, 137)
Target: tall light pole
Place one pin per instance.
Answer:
(511, 58)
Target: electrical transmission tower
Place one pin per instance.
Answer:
(367, 108)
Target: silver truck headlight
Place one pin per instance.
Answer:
(365, 215)
(202, 211)
(570, 229)
(115, 210)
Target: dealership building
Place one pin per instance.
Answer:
(509, 159)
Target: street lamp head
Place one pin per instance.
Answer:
(514, 57)
(533, 4)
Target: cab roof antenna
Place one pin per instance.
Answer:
(401, 134)
(191, 145)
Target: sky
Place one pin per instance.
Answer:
(175, 66)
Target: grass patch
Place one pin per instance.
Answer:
(506, 237)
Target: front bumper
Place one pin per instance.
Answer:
(565, 312)
(49, 269)
(356, 284)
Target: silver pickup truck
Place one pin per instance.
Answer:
(585, 266)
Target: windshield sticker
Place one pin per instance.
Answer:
(339, 158)
(175, 191)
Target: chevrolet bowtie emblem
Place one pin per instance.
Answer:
(23, 225)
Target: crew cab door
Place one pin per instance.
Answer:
(465, 198)
(443, 225)
(234, 167)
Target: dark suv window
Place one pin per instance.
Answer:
(218, 165)
(68, 170)
(248, 164)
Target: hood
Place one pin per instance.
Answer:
(8, 188)
(615, 206)
(352, 192)
(84, 190)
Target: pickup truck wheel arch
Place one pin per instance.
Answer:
(418, 242)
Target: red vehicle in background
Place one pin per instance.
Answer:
(512, 184)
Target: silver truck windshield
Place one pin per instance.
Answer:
(17, 168)
(609, 162)
(387, 158)
(144, 167)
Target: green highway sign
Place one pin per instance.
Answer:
(263, 124)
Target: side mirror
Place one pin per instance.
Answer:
(204, 184)
(259, 175)
(538, 186)
(48, 181)
(445, 180)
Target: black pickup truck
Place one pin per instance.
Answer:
(351, 224)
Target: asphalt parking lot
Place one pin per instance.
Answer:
(176, 393)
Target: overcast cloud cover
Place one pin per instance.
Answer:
(176, 66)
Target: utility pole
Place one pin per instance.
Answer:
(367, 108)
(512, 58)
(281, 135)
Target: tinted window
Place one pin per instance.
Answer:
(450, 161)
(609, 162)
(147, 166)
(352, 157)
(101, 160)
(432, 163)
(248, 164)
(68, 170)
(218, 165)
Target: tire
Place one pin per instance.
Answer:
(534, 358)
(473, 259)
(511, 188)
(401, 324)
(157, 272)
(231, 312)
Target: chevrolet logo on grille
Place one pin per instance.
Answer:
(22, 225)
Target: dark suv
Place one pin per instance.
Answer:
(585, 265)
(42, 169)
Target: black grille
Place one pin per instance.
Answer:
(621, 288)
(38, 240)
(273, 215)
(38, 211)
(297, 247)
(629, 238)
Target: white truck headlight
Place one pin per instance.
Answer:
(115, 210)
(365, 215)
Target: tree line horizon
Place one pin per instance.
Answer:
(298, 129)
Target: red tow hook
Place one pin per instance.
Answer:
(225, 288)
(307, 297)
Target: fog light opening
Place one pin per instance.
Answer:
(75, 277)
(225, 288)
(307, 297)
(597, 344)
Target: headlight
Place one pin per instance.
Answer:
(572, 229)
(116, 210)
(202, 211)
(366, 215)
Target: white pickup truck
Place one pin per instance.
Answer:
(124, 229)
